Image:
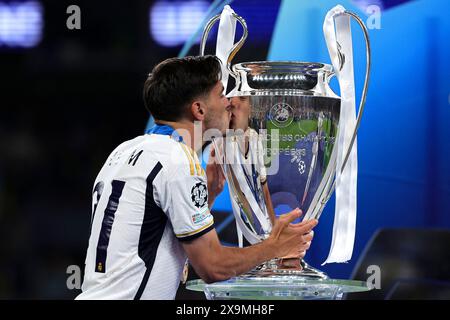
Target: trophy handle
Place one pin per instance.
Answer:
(236, 47)
(363, 95)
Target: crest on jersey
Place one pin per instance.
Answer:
(199, 195)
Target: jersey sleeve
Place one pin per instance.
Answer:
(189, 212)
(183, 195)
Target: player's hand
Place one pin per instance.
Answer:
(291, 239)
(215, 177)
(300, 251)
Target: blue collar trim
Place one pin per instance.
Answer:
(165, 130)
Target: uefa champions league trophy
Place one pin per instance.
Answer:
(286, 155)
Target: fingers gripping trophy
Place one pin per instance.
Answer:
(292, 141)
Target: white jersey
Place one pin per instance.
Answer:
(150, 194)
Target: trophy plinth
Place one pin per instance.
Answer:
(277, 288)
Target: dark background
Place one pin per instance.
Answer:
(65, 105)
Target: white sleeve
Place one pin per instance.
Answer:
(188, 211)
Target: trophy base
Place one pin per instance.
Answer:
(289, 267)
(277, 287)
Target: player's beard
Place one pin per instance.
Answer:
(220, 122)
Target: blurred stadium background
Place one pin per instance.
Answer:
(68, 97)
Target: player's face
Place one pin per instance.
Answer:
(240, 113)
(218, 112)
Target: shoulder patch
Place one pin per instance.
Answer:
(199, 195)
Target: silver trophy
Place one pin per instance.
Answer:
(282, 152)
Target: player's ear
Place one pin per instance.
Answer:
(198, 110)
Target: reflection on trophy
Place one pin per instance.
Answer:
(281, 151)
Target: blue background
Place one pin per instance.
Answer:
(404, 139)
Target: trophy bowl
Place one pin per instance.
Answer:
(279, 154)
(295, 116)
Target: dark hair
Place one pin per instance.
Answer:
(176, 82)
